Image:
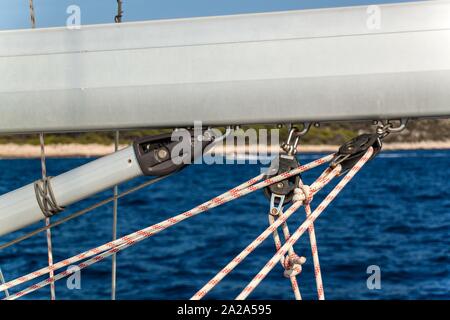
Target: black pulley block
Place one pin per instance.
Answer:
(284, 187)
(353, 150)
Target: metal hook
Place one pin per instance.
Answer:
(306, 127)
(401, 127)
(290, 146)
(387, 127)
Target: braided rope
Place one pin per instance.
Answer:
(292, 263)
(315, 187)
(313, 244)
(314, 250)
(273, 214)
(304, 226)
(131, 239)
(83, 211)
(110, 246)
(284, 261)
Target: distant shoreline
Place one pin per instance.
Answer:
(96, 150)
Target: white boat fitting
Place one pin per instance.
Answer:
(309, 65)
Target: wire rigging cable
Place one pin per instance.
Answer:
(114, 226)
(47, 202)
(32, 16)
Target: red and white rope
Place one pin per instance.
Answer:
(315, 256)
(126, 241)
(277, 240)
(304, 226)
(315, 187)
(314, 252)
(314, 248)
(292, 263)
(109, 245)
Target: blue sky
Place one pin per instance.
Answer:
(14, 14)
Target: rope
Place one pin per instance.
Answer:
(126, 241)
(273, 215)
(304, 226)
(114, 228)
(50, 206)
(293, 262)
(315, 187)
(314, 250)
(113, 247)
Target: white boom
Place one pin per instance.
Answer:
(349, 63)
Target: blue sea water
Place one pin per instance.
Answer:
(395, 214)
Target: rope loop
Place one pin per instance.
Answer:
(46, 198)
(303, 193)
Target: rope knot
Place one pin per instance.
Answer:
(303, 193)
(293, 265)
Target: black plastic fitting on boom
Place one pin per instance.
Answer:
(156, 155)
(353, 150)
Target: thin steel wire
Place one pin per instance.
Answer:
(32, 16)
(114, 227)
(2, 281)
(47, 219)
